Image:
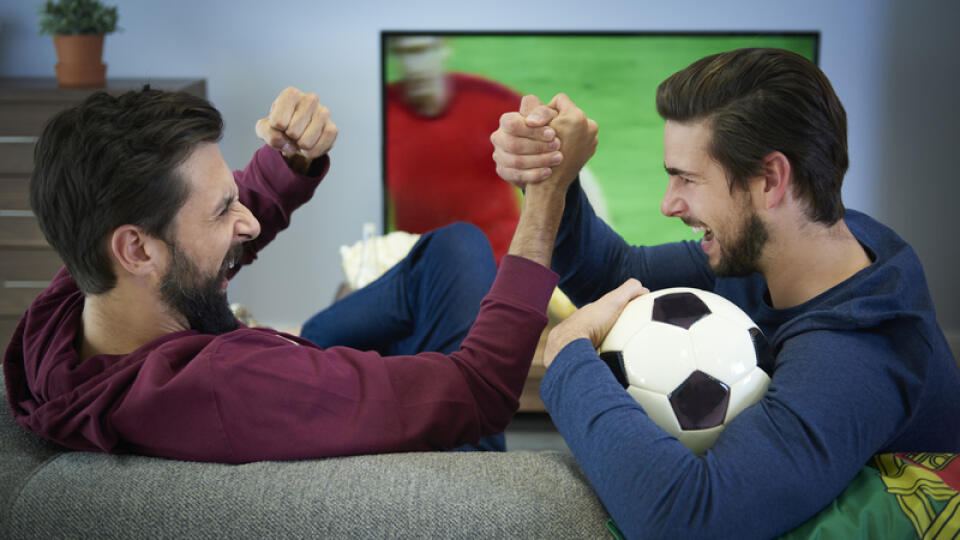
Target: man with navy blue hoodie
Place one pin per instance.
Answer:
(755, 151)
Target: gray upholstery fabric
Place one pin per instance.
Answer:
(48, 493)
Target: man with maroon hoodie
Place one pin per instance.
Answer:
(132, 347)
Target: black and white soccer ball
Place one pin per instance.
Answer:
(691, 358)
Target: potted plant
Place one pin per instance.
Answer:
(78, 28)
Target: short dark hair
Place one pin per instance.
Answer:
(759, 101)
(112, 161)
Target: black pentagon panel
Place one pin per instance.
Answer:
(679, 309)
(764, 353)
(614, 360)
(700, 402)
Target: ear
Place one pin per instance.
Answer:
(777, 177)
(135, 251)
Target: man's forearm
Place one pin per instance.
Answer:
(537, 229)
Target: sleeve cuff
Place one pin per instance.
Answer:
(523, 281)
(270, 159)
(569, 357)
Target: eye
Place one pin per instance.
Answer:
(227, 205)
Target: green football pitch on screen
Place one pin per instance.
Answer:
(613, 78)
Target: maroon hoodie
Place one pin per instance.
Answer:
(257, 394)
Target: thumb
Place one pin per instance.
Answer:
(612, 305)
(561, 102)
(529, 103)
(274, 137)
(627, 291)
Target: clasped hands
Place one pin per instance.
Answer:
(547, 145)
(543, 144)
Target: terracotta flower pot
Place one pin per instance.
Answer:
(80, 62)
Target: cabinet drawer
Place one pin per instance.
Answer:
(20, 230)
(16, 297)
(19, 118)
(16, 157)
(15, 192)
(7, 326)
(28, 265)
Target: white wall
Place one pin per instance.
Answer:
(891, 63)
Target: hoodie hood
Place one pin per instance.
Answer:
(49, 391)
(892, 290)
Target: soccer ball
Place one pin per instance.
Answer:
(691, 358)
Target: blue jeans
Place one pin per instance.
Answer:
(426, 302)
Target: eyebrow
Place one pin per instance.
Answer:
(680, 172)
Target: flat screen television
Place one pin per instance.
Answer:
(612, 76)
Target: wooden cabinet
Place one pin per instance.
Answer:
(27, 262)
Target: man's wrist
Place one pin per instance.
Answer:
(297, 163)
(557, 340)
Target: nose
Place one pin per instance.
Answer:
(672, 204)
(246, 227)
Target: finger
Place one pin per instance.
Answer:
(314, 128)
(274, 137)
(282, 109)
(522, 162)
(541, 116)
(518, 145)
(528, 103)
(522, 177)
(325, 143)
(303, 113)
(514, 124)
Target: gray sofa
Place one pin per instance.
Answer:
(46, 492)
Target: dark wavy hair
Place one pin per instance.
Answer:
(112, 161)
(762, 100)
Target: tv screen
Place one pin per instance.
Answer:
(443, 94)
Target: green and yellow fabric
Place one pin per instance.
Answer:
(903, 495)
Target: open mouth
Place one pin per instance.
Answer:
(706, 232)
(232, 259)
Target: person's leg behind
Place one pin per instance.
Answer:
(426, 302)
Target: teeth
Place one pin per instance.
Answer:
(699, 230)
(231, 265)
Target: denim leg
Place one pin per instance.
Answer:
(426, 302)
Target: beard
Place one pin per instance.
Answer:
(742, 257)
(200, 299)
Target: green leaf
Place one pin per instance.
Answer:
(77, 17)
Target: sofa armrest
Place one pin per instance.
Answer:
(46, 492)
